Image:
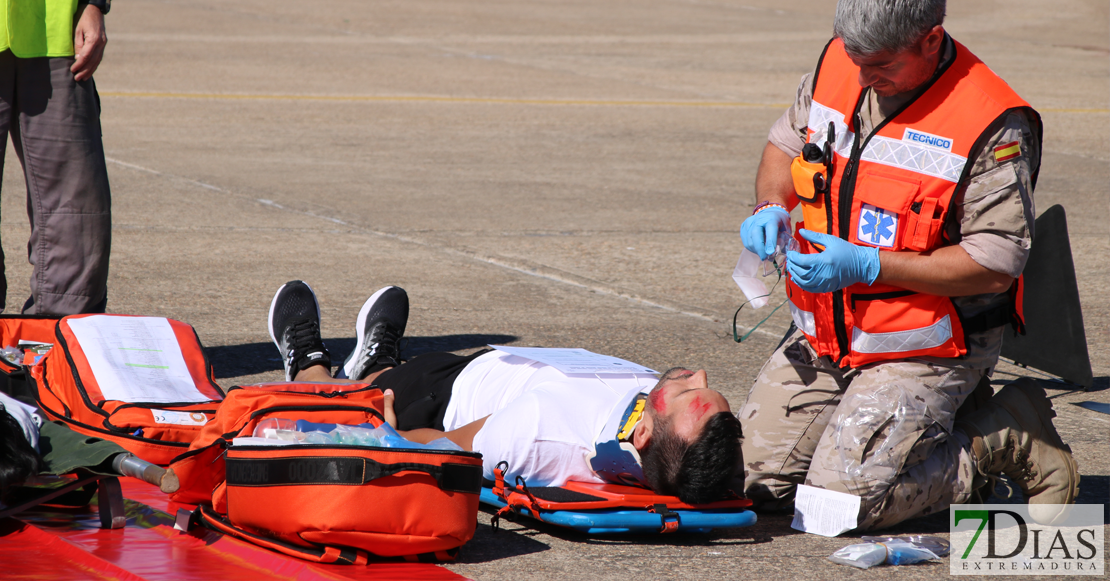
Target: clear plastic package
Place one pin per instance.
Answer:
(318, 437)
(861, 555)
(391, 439)
(278, 429)
(746, 276)
(355, 436)
(775, 263)
(900, 552)
(13, 355)
(383, 436)
(938, 546)
(750, 270)
(443, 444)
(891, 551)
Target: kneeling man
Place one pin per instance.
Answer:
(914, 166)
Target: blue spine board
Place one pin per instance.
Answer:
(625, 521)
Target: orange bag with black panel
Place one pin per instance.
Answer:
(326, 502)
(141, 382)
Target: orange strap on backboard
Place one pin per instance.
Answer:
(668, 517)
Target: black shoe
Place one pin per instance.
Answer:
(381, 324)
(295, 328)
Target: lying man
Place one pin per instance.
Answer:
(672, 434)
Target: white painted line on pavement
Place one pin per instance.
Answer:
(441, 99)
(529, 268)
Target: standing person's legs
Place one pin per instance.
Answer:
(891, 442)
(58, 139)
(787, 410)
(7, 113)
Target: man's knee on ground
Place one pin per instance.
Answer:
(871, 447)
(875, 435)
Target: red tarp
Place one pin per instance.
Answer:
(69, 544)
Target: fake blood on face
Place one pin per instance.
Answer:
(697, 408)
(655, 398)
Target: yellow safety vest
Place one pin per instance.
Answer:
(31, 28)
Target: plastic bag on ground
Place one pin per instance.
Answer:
(891, 550)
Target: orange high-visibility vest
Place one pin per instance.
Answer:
(894, 190)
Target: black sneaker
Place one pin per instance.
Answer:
(295, 328)
(380, 326)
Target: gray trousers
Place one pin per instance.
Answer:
(54, 122)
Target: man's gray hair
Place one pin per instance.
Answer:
(869, 27)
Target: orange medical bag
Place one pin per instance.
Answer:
(141, 382)
(327, 502)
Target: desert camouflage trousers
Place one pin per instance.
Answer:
(883, 432)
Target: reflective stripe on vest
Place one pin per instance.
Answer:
(902, 154)
(819, 118)
(929, 337)
(803, 320)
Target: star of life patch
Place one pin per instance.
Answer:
(877, 226)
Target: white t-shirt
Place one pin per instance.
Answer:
(542, 422)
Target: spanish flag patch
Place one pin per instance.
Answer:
(1007, 151)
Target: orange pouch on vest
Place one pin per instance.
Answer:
(315, 501)
(923, 225)
(141, 382)
(813, 204)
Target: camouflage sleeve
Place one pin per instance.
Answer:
(789, 132)
(995, 212)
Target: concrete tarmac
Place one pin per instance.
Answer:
(557, 173)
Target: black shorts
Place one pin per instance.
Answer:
(422, 387)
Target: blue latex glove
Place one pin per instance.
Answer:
(760, 232)
(841, 264)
